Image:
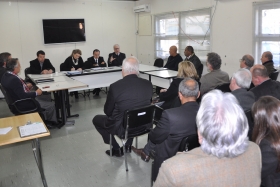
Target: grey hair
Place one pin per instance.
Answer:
(12, 64)
(222, 124)
(215, 60)
(189, 88)
(117, 45)
(243, 78)
(249, 60)
(130, 65)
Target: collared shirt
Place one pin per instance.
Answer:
(75, 61)
(188, 57)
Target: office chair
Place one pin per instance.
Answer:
(137, 122)
(158, 62)
(274, 75)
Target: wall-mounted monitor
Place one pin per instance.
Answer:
(64, 30)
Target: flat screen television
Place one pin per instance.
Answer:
(64, 30)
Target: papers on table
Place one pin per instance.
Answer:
(4, 131)
(95, 69)
(73, 72)
(44, 80)
(32, 129)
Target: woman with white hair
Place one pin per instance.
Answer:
(225, 158)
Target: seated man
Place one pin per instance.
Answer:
(17, 89)
(263, 84)
(116, 58)
(173, 126)
(225, 158)
(41, 65)
(4, 57)
(247, 61)
(174, 59)
(240, 82)
(215, 77)
(127, 93)
(190, 56)
(267, 61)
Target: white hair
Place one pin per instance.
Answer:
(116, 45)
(243, 78)
(222, 124)
(130, 65)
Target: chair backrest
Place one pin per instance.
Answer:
(200, 70)
(61, 67)
(250, 119)
(158, 113)
(26, 72)
(224, 87)
(274, 75)
(138, 121)
(8, 99)
(159, 62)
(188, 143)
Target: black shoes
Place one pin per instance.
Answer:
(116, 153)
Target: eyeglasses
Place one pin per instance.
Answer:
(241, 60)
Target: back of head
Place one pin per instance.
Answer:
(259, 71)
(249, 60)
(4, 58)
(243, 78)
(11, 64)
(214, 60)
(187, 69)
(189, 88)
(222, 124)
(130, 66)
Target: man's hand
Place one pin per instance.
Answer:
(95, 64)
(72, 69)
(111, 59)
(29, 85)
(163, 90)
(39, 92)
(102, 62)
(50, 71)
(44, 71)
(80, 69)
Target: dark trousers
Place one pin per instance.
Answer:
(101, 124)
(150, 146)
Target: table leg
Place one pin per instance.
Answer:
(68, 106)
(63, 109)
(38, 157)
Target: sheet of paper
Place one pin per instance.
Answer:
(32, 129)
(95, 69)
(5, 130)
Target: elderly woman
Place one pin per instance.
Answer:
(225, 158)
(266, 133)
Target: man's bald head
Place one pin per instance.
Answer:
(189, 88)
(247, 61)
(259, 74)
(266, 56)
(130, 66)
(173, 50)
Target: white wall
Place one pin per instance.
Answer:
(106, 23)
(231, 29)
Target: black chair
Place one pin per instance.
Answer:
(158, 62)
(26, 72)
(200, 70)
(274, 75)
(250, 119)
(137, 122)
(224, 87)
(61, 67)
(158, 113)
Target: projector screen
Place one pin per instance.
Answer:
(64, 30)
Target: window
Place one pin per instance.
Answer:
(267, 30)
(182, 29)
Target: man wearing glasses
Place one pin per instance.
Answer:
(116, 58)
(247, 61)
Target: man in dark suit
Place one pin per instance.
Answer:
(174, 125)
(240, 82)
(116, 58)
(4, 57)
(17, 89)
(127, 93)
(190, 56)
(41, 65)
(95, 61)
(247, 61)
(267, 61)
(174, 59)
(263, 84)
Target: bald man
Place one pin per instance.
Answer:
(116, 58)
(263, 84)
(174, 125)
(174, 59)
(267, 61)
(247, 61)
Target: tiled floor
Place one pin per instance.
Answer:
(72, 156)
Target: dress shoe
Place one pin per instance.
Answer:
(127, 148)
(50, 126)
(141, 153)
(116, 153)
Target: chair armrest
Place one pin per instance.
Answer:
(16, 103)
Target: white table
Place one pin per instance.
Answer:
(161, 78)
(146, 68)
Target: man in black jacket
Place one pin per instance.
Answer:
(4, 57)
(116, 58)
(95, 61)
(190, 56)
(127, 93)
(41, 65)
(174, 125)
(267, 61)
(174, 59)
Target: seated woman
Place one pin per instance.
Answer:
(74, 62)
(185, 69)
(266, 133)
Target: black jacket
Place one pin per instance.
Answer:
(118, 59)
(268, 87)
(68, 64)
(90, 63)
(2, 72)
(172, 62)
(127, 93)
(195, 60)
(245, 98)
(269, 66)
(174, 125)
(35, 67)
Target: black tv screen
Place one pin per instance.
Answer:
(64, 30)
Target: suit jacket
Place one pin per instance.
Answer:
(173, 126)
(269, 165)
(196, 168)
(269, 66)
(172, 62)
(245, 98)
(195, 60)
(127, 93)
(35, 67)
(90, 63)
(118, 59)
(68, 64)
(213, 79)
(268, 87)
(2, 72)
